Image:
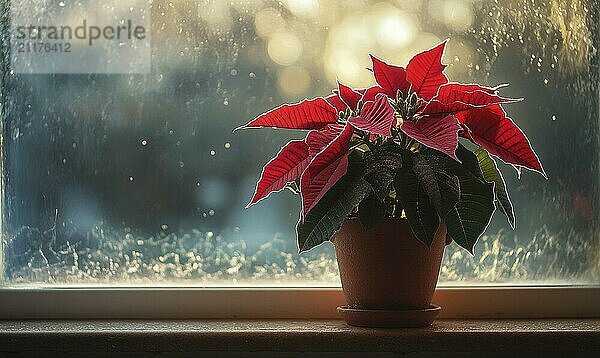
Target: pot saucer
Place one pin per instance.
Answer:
(389, 318)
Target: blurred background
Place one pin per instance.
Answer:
(137, 179)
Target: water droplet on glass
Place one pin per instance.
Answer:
(233, 72)
(227, 145)
(61, 4)
(211, 212)
(144, 142)
(252, 75)
(213, 152)
(553, 117)
(131, 179)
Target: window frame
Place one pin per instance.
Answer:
(114, 302)
(282, 303)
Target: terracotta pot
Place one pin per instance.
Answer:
(387, 268)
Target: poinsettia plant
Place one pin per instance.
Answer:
(393, 150)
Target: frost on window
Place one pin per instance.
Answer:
(137, 178)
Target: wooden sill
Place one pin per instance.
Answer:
(538, 335)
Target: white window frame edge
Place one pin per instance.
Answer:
(283, 303)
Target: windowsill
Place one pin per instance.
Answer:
(518, 335)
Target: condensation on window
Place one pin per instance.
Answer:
(137, 179)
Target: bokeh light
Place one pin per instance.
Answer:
(458, 15)
(293, 81)
(395, 28)
(307, 8)
(284, 48)
(268, 21)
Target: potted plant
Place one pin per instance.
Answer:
(383, 175)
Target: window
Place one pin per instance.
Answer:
(137, 179)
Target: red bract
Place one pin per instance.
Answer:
(308, 114)
(376, 117)
(490, 128)
(327, 167)
(425, 72)
(440, 134)
(370, 93)
(337, 103)
(390, 78)
(318, 140)
(349, 96)
(287, 166)
(455, 97)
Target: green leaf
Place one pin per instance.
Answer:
(294, 187)
(371, 211)
(491, 174)
(469, 162)
(473, 212)
(374, 174)
(439, 184)
(420, 213)
(326, 218)
(381, 167)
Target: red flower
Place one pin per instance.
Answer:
(490, 128)
(377, 117)
(444, 109)
(308, 114)
(325, 169)
(431, 111)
